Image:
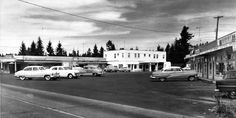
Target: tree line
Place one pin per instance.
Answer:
(175, 52)
(37, 49)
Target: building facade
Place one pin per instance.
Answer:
(11, 64)
(213, 59)
(136, 60)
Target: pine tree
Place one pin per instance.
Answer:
(23, 50)
(33, 49)
(101, 51)
(77, 53)
(59, 49)
(40, 48)
(73, 53)
(110, 46)
(167, 49)
(50, 50)
(89, 54)
(64, 52)
(95, 51)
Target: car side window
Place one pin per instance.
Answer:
(60, 68)
(28, 69)
(35, 69)
(55, 68)
(41, 68)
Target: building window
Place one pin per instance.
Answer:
(135, 55)
(157, 56)
(128, 55)
(154, 56)
(135, 66)
(163, 56)
(140, 66)
(233, 38)
(149, 55)
(138, 55)
(144, 55)
(114, 55)
(122, 55)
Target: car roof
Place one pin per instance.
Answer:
(172, 67)
(33, 66)
(58, 66)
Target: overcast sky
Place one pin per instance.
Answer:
(24, 22)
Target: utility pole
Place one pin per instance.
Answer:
(217, 25)
(199, 30)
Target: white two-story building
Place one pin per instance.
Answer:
(136, 60)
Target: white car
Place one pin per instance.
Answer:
(65, 71)
(30, 72)
(90, 70)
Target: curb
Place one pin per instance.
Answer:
(207, 80)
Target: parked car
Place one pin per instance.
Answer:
(124, 69)
(111, 68)
(65, 71)
(30, 72)
(92, 70)
(174, 72)
(227, 86)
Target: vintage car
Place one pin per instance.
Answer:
(227, 86)
(111, 68)
(65, 71)
(30, 72)
(90, 70)
(124, 69)
(173, 72)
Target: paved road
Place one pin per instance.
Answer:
(132, 89)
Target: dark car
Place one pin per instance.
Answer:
(227, 86)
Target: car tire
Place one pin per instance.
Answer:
(162, 79)
(47, 77)
(191, 78)
(22, 77)
(95, 74)
(70, 76)
(232, 95)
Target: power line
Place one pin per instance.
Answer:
(91, 19)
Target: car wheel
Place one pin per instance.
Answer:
(162, 79)
(47, 77)
(22, 77)
(191, 78)
(95, 74)
(232, 94)
(70, 76)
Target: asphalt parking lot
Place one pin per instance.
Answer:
(135, 89)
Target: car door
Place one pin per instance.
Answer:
(178, 73)
(62, 72)
(36, 73)
(169, 73)
(27, 72)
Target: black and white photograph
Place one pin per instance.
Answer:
(118, 58)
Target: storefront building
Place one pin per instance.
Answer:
(136, 60)
(213, 59)
(11, 64)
